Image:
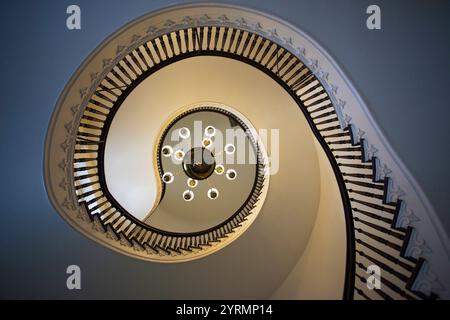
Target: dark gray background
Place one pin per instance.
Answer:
(402, 72)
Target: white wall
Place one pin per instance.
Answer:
(320, 272)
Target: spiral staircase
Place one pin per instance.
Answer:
(373, 233)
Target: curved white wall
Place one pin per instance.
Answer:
(320, 271)
(267, 252)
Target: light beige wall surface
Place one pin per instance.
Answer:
(320, 272)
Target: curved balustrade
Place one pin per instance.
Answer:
(372, 235)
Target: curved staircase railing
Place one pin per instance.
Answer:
(372, 235)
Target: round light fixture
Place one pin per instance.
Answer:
(213, 193)
(229, 149)
(184, 133)
(210, 131)
(188, 195)
(192, 183)
(179, 155)
(168, 177)
(167, 151)
(219, 169)
(199, 163)
(231, 174)
(207, 143)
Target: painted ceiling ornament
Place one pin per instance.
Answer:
(288, 41)
(241, 22)
(169, 23)
(151, 30)
(204, 18)
(313, 64)
(106, 62)
(256, 26)
(135, 38)
(272, 33)
(83, 92)
(409, 218)
(223, 18)
(300, 51)
(120, 49)
(322, 74)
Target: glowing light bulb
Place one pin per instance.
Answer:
(168, 177)
(192, 183)
(210, 131)
(188, 195)
(229, 149)
(213, 193)
(167, 151)
(179, 155)
(184, 133)
(219, 169)
(231, 174)
(207, 142)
